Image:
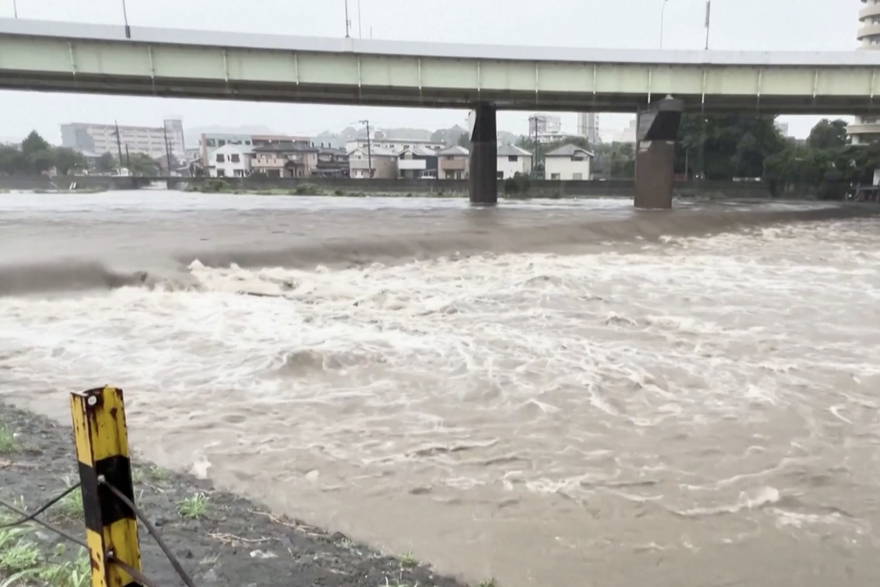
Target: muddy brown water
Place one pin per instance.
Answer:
(551, 393)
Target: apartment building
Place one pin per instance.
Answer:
(102, 138)
(390, 144)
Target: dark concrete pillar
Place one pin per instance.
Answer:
(655, 153)
(484, 156)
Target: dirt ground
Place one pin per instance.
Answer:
(237, 544)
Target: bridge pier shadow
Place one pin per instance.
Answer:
(655, 156)
(484, 157)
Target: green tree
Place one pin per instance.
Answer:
(724, 147)
(67, 160)
(37, 153)
(106, 163)
(828, 134)
(11, 160)
(142, 164)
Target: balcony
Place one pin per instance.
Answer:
(456, 164)
(412, 164)
(869, 11)
(870, 30)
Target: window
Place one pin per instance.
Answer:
(221, 173)
(234, 158)
(221, 142)
(554, 176)
(499, 175)
(247, 142)
(513, 158)
(220, 158)
(449, 157)
(211, 142)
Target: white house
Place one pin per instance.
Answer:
(513, 160)
(230, 161)
(383, 161)
(568, 163)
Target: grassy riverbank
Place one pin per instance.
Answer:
(221, 539)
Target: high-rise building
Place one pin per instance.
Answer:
(546, 128)
(99, 139)
(588, 126)
(866, 129)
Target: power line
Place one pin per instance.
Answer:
(153, 532)
(30, 517)
(46, 525)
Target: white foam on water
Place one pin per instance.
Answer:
(696, 379)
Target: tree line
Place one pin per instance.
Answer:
(35, 156)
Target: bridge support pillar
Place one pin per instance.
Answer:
(484, 156)
(655, 154)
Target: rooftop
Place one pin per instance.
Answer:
(569, 151)
(285, 147)
(455, 151)
(509, 150)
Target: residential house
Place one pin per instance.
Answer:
(376, 163)
(513, 160)
(417, 163)
(332, 163)
(453, 163)
(287, 159)
(568, 163)
(230, 161)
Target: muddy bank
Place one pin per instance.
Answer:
(237, 543)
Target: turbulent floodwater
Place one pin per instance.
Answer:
(600, 398)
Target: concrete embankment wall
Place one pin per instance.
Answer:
(538, 189)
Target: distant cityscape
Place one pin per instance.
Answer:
(353, 153)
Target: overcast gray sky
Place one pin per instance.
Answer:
(736, 24)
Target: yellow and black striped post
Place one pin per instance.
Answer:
(102, 452)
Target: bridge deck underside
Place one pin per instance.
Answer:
(433, 97)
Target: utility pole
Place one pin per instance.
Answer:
(369, 148)
(347, 22)
(127, 157)
(119, 144)
(125, 18)
(708, 21)
(533, 121)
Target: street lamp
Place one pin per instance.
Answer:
(347, 22)
(708, 21)
(125, 18)
(662, 18)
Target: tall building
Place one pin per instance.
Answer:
(588, 126)
(101, 138)
(546, 128)
(866, 129)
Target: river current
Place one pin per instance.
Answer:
(550, 393)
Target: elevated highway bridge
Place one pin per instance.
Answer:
(87, 58)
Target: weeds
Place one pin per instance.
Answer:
(408, 560)
(194, 507)
(488, 583)
(7, 441)
(23, 564)
(71, 506)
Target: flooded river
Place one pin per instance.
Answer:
(550, 393)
